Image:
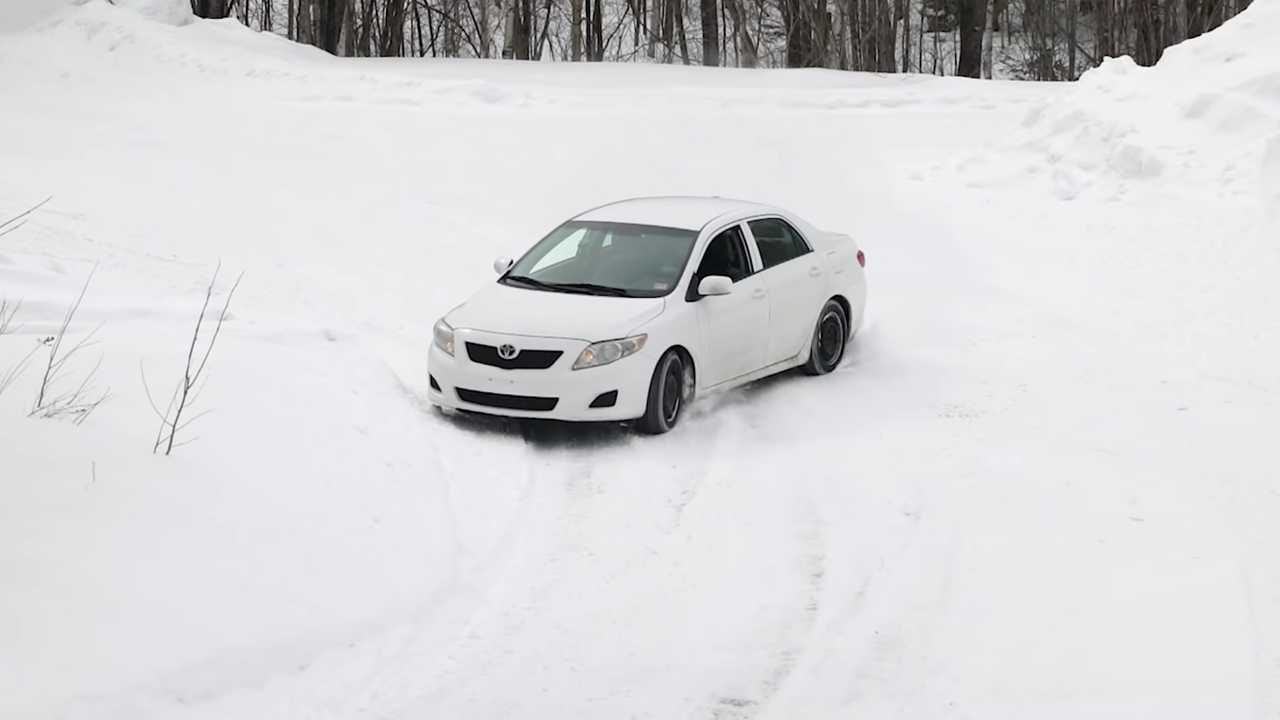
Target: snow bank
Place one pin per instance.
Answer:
(1210, 108)
(19, 14)
(168, 12)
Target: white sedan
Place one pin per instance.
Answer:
(628, 310)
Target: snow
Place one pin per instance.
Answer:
(1042, 485)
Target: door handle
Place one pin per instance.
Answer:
(758, 293)
(815, 271)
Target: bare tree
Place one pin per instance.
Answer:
(80, 399)
(185, 394)
(745, 46)
(8, 311)
(972, 20)
(710, 33)
(1038, 39)
(20, 219)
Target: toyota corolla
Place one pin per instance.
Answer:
(629, 310)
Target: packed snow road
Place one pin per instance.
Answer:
(1041, 484)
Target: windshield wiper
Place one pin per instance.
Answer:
(531, 282)
(580, 288)
(593, 288)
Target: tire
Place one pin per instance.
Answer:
(668, 394)
(830, 337)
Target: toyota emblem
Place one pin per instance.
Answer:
(507, 351)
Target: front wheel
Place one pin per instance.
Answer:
(668, 392)
(829, 338)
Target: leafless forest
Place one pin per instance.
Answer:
(1027, 39)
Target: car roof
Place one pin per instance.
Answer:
(677, 211)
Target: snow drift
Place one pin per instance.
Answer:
(1210, 109)
(1043, 484)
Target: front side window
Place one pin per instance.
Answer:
(726, 255)
(778, 241)
(604, 258)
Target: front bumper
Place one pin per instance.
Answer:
(573, 390)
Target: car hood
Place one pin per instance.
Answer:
(519, 311)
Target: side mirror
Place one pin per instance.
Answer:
(715, 285)
(503, 264)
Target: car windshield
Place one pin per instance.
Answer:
(605, 258)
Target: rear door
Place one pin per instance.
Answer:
(795, 282)
(734, 327)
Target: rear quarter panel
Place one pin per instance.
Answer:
(845, 276)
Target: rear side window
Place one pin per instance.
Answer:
(778, 241)
(726, 255)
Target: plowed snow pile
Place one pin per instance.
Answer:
(1208, 114)
(1043, 485)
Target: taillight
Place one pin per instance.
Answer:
(862, 259)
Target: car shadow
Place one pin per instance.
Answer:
(542, 434)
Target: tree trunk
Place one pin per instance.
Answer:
(304, 24)
(597, 30)
(746, 48)
(348, 41)
(326, 22)
(972, 18)
(1073, 9)
(212, 9)
(575, 30)
(1149, 41)
(999, 8)
(920, 41)
(842, 36)
(681, 35)
(886, 38)
(364, 39)
(518, 24)
(448, 30)
(392, 40)
(417, 28)
(655, 22)
(542, 36)
(639, 13)
(854, 12)
(987, 41)
(668, 28)
(710, 33)
(906, 40)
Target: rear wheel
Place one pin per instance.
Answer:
(829, 339)
(668, 393)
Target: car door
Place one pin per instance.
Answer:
(794, 281)
(733, 327)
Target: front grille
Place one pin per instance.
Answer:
(508, 402)
(525, 360)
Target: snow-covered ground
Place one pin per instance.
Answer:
(1044, 484)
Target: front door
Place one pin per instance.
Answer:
(734, 327)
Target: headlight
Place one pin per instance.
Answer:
(443, 335)
(603, 353)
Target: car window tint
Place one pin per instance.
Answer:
(726, 255)
(778, 242)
